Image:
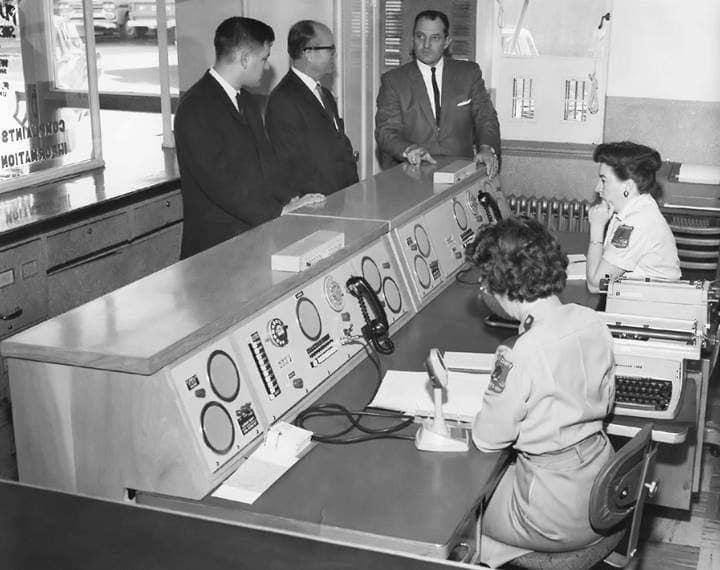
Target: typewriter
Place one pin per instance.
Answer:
(659, 329)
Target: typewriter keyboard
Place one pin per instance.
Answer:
(644, 392)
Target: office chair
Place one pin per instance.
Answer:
(698, 245)
(616, 504)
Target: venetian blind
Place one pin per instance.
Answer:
(398, 17)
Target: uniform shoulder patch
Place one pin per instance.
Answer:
(621, 237)
(500, 372)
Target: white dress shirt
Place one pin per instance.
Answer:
(229, 89)
(427, 78)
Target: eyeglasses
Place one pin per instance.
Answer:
(318, 48)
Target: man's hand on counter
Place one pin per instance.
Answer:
(486, 155)
(300, 201)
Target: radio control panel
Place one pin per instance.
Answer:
(236, 386)
(219, 406)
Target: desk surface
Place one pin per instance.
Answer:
(391, 495)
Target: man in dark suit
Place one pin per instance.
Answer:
(231, 180)
(302, 117)
(435, 105)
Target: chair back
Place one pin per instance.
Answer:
(619, 485)
(698, 244)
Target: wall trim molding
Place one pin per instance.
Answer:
(548, 149)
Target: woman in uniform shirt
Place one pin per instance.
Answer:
(550, 389)
(638, 241)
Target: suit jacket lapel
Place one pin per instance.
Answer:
(447, 96)
(418, 87)
(305, 92)
(217, 89)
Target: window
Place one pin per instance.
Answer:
(398, 17)
(550, 69)
(575, 100)
(130, 66)
(48, 101)
(523, 101)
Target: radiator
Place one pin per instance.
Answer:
(558, 214)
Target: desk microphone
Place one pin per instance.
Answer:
(434, 434)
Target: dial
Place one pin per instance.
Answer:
(278, 332)
(334, 294)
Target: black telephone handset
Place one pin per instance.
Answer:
(375, 330)
(491, 208)
(493, 200)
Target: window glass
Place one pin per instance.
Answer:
(127, 44)
(45, 120)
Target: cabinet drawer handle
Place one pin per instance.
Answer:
(167, 203)
(13, 315)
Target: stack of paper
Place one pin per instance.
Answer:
(411, 393)
(283, 446)
(699, 173)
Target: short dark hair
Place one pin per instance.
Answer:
(236, 32)
(630, 160)
(433, 15)
(299, 36)
(520, 258)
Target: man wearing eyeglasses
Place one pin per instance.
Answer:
(231, 178)
(435, 106)
(302, 117)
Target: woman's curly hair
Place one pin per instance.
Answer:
(519, 258)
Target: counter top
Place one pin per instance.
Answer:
(144, 326)
(393, 196)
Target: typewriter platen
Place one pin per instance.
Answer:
(659, 329)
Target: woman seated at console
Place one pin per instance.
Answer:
(638, 241)
(551, 388)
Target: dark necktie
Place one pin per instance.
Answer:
(327, 104)
(436, 95)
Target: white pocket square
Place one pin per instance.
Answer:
(463, 103)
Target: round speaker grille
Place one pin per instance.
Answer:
(223, 375)
(422, 240)
(422, 271)
(460, 215)
(308, 318)
(217, 428)
(371, 273)
(393, 298)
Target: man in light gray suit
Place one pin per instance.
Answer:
(435, 105)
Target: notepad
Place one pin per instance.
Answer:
(577, 267)
(410, 393)
(284, 445)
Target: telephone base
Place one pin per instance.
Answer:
(455, 439)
